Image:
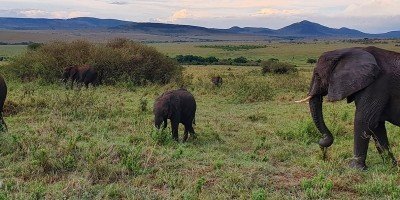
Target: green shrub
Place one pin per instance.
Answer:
(34, 46)
(118, 60)
(276, 67)
(233, 47)
(311, 60)
(161, 136)
(240, 59)
(259, 195)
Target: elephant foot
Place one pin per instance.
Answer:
(326, 141)
(358, 163)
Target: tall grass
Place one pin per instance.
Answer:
(118, 60)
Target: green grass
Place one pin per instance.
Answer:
(11, 50)
(100, 143)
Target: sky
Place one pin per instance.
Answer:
(371, 16)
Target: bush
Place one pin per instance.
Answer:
(118, 60)
(311, 60)
(240, 59)
(34, 46)
(276, 67)
(196, 60)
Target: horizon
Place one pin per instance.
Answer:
(373, 16)
(304, 20)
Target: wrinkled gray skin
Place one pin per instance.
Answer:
(3, 95)
(179, 106)
(217, 81)
(371, 78)
(84, 74)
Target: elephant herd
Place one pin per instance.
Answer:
(368, 76)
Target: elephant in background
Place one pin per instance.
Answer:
(368, 76)
(3, 95)
(180, 107)
(216, 80)
(81, 74)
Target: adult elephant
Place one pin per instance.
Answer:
(3, 95)
(81, 74)
(180, 107)
(371, 78)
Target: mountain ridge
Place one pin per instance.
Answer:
(302, 29)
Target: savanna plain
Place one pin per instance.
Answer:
(253, 141)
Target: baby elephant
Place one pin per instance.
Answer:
(216, 80)
(180, 107)
(82, 74)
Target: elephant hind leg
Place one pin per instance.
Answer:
(382, 143)
(174, 127)
(191, 130)
(186, 135)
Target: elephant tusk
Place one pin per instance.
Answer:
(304, 100)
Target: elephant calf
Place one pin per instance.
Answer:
(216, 80)
(81, 74)
(3, 94)
(180, 107)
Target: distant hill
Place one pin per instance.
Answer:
(58, 24)
(307, 28)
(161, 28)
(303, 29)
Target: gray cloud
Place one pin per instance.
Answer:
(119, 2)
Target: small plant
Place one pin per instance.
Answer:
(41, 159)
(143, 105)
(259, 195)
(161, 136)
(199, 185)
(218, 164)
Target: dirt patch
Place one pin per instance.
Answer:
(11, 108)
(290, 179)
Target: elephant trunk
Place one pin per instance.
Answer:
(318, 118)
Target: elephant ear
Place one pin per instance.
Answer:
(355, 70)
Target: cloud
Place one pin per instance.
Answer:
(119, 3)
(33, 13)
(271, 11)
(36, 13)
(181, 14)
(374, 8)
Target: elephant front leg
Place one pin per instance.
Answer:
(361, 140)
(382, 143)
(175, 126)
(164, 126)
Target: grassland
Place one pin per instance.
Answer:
(287, 52)
(253, 141)
(11, 50)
